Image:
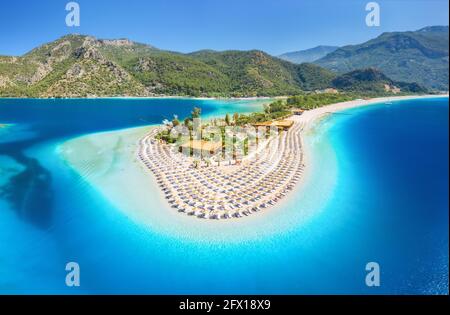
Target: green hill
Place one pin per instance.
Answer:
(372, 81)
(257, 73)
(420, 56)
(72, 66)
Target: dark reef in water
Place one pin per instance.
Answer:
(29, 192)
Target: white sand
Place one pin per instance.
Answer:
(108, 162)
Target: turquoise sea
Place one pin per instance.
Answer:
(376, 191)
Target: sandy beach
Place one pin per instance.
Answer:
(108, 161)
(312, 115)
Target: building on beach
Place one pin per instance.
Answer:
(280, 124)
(201, 147)
(297, 111)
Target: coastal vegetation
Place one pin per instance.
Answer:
(172, 135)
(311, 101)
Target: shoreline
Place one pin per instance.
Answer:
(110, 180)
(252, 98)
(317, 113)
(206, 98)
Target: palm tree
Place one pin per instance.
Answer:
(196, 112)
(175, 121)
(227, 119)
(235, 118)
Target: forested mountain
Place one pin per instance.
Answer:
(420, 56)
(77, 65)
(372, 81)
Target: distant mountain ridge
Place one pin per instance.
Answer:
(308, 55)
(419, 56)
(84, 66)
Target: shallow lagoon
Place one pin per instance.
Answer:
(376, 191)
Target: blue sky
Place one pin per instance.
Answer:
(275, 26)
